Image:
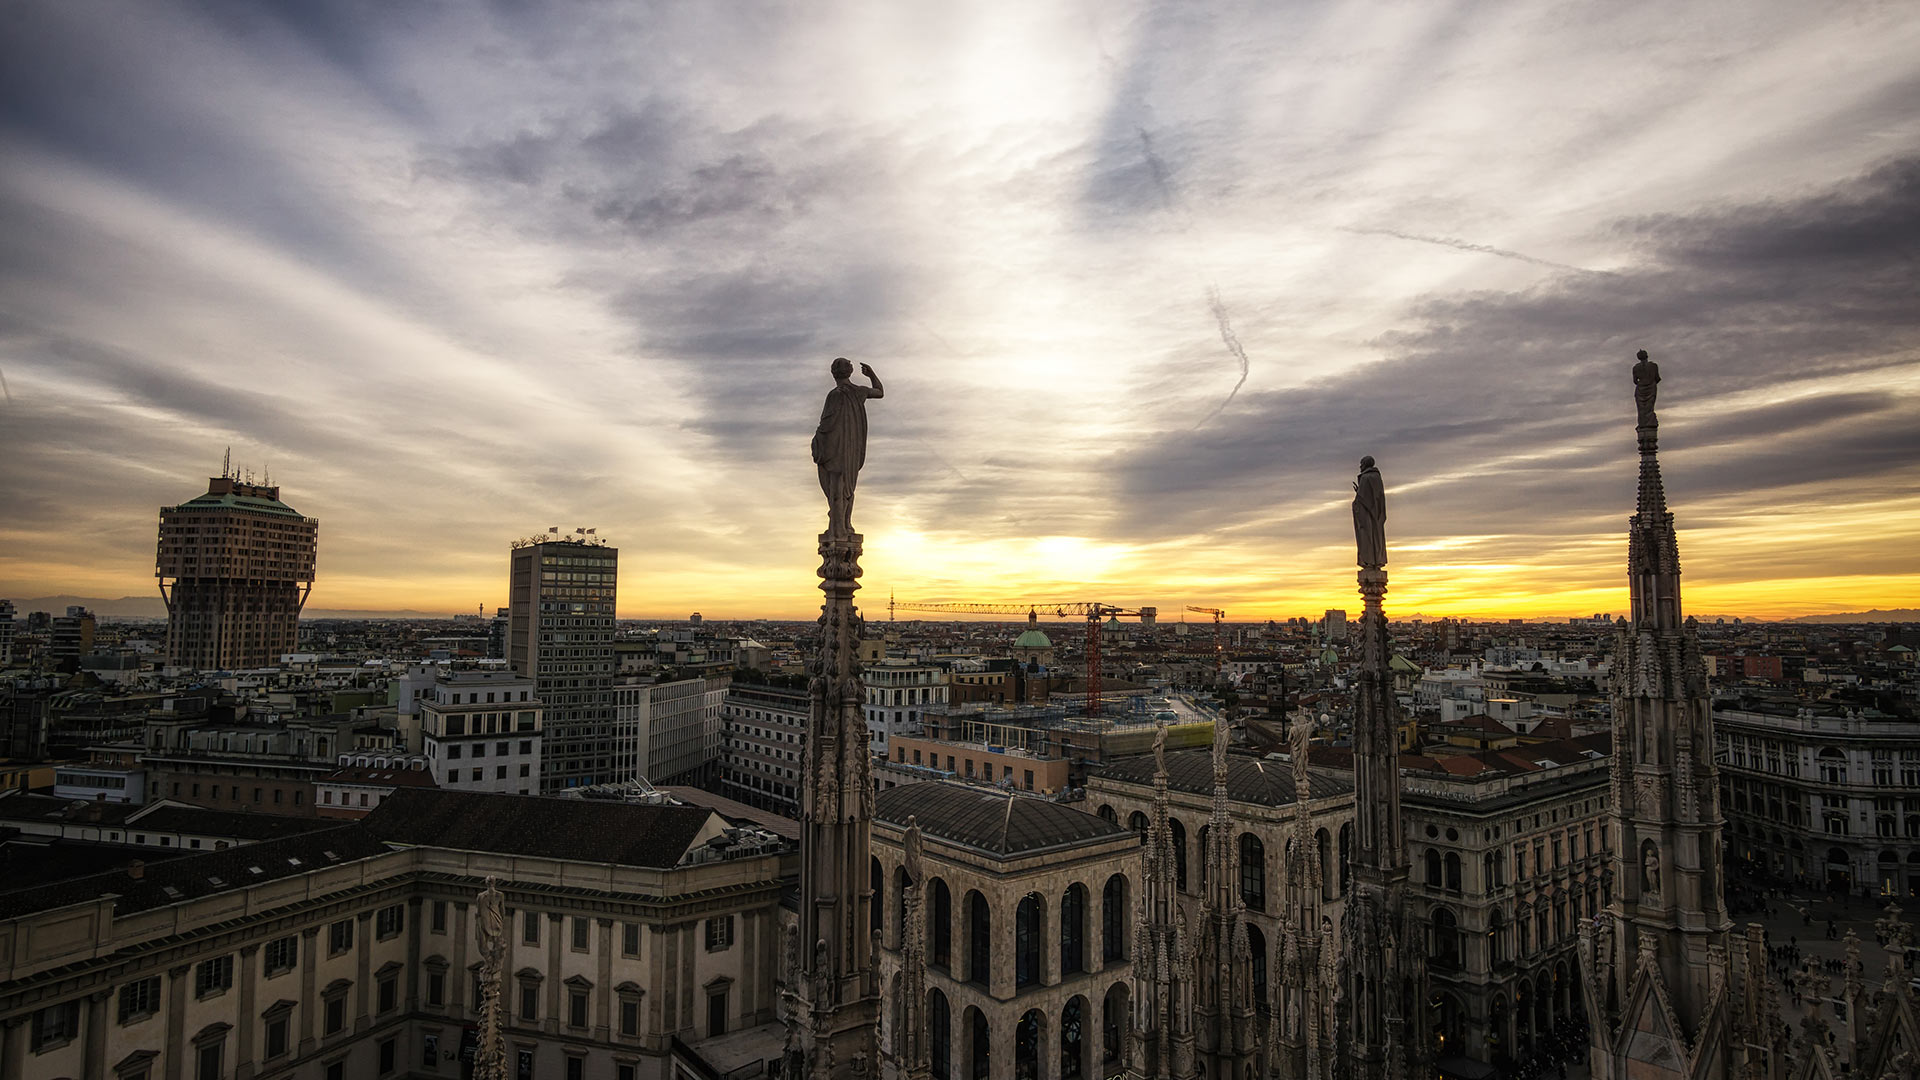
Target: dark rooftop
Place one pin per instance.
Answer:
(986, 819)
(1249, 779)
(582, 830)
(193, 876)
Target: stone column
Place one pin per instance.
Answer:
(363, 972)
(462, 979)
(1096, 949)
(1001, 978)
(416, 927)
(603, 987)
(550, 1022)
(175, 1051)
(13, 1045)
(95, 1062)
(1051, 925)
(309, 998)
(244, 1023)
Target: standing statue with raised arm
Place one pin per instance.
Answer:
(840, 442)
(1370, 515)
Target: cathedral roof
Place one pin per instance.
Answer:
(991, 820)
(1032, 639)
(1249, 779)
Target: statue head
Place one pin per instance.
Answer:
(1641, 355)
(1367, 462)
(842, 368)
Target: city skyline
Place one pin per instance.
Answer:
(452, 291)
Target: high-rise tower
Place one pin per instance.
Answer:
(1380, 946)
(1659, 980)
(235, 567)
(560, 597)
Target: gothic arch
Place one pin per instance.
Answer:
(1115, 918)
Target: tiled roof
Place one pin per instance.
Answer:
(1249, 779)
(385, 776)
(194, 876)
(238, 824)
(987, 819)
(582, 830)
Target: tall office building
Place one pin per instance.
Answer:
(560, 597)
(6, 633)
(235, 567)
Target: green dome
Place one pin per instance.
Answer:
(1032, 639)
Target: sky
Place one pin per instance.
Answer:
(1143, 282)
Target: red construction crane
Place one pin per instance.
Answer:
(1093, 611)
(1217, 616)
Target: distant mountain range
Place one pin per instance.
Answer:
(1899, 614)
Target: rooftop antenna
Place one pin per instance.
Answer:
(226, 465)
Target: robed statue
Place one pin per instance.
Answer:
(1646, 387)
(1370, 515)
(840, 443)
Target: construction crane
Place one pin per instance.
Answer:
(1094, 612)
(1217, 616)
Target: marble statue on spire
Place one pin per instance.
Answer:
(1646, 387)
(840, 442)
(1370, 515)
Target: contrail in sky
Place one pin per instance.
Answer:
(1462, 245)
(1158, 169)
(1233, 346)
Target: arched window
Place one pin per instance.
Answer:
(1833, 766)
(1327, 880)
(877, 903)
(1027, 935)
(1026, 1046)
(1179, 853)
(1114, 919)
(1346, 857)
(1073, 1036)
(941, 915)
(1433, 868)
(979, 940)
(1073, 929)
(980, 1041)
(1446, 940)
(1113, 1025)
(939, 1033)
(1138, 823)
(1257, 965)
(1453, 871)
(1206, 856)
(1253, 872)
(1497, 939)
(1108, 813)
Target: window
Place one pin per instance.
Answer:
(716, 1012)
(529, 1001)
(389, 993)
(335, 1013)
(139, 999)
(530, 927)
(579, 934)
(389, 1056)
(276, 1035)
(55, 1025)
(453, 754)
(336, 1070)
(629, 939)
(576, 1068)
(213, 976)
(623, 1071)
(439, 916)
(629, 1014)
(339, 937)
(577, 1009)
(389, 921)
(282, 954)
(719, 933)
(209, 1058)
(430, 1051)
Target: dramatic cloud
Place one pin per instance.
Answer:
(457, 273)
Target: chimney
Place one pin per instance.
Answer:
(136, 869)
